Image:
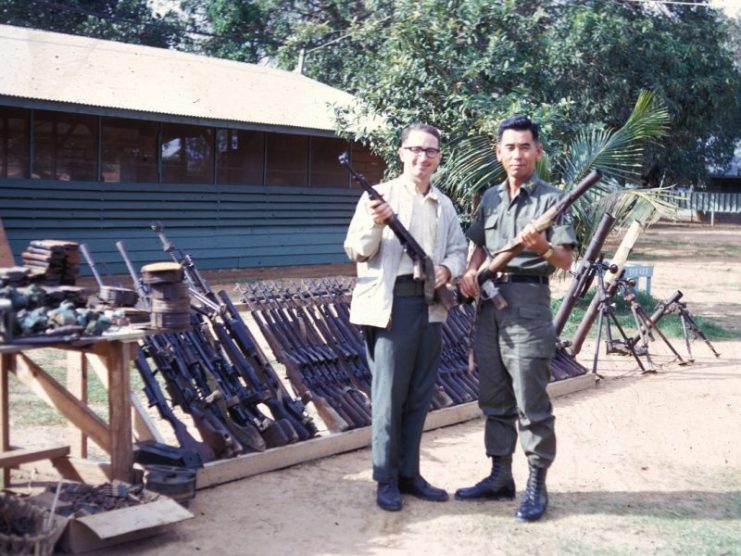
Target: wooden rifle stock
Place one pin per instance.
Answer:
(424, 268)
(503, 256)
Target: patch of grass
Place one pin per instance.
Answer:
(670, 325)
(27, 409)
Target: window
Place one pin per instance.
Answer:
(129, 150)
(65, 146)
(240, 156)
(187, 154)
(326, 170)
(13, 142)
(285, 159)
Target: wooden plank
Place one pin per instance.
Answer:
(117, 356)
(6, 253)
(14, 458)
(222, 471)
(7, 365)
(77, 375)
(54, 394)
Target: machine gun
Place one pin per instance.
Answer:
(424, 269)
(241, 347)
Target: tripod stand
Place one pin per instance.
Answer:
(644, 324)
(607, 316)
(689, 325)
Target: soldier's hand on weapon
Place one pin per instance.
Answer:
(534, 240)
(469, 284)
(442, 275)
(380, 211)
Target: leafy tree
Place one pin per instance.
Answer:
(465, 65)
(130, 21)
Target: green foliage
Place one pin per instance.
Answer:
(572, 66)
(670, 325)
(130, 21)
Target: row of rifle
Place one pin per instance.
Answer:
(309, 331)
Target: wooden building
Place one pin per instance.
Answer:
(99, 139)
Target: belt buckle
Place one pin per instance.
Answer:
(503, 277)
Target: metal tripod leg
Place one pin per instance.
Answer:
(689, 324)
(600, 319)
(649, 324)
(629, 345)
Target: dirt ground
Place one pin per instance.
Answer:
(647, 463)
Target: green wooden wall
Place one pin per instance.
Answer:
(221, 226)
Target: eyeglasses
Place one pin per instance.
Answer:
(430, 153)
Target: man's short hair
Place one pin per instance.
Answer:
(520, 123)
(420, 127)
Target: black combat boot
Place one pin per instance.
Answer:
(498, 486)
(535, 498)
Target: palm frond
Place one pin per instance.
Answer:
(470, 168)
(617, 153)
(645, 205)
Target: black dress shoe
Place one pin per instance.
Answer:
(417, 486)
(488, 489)
(388, 497)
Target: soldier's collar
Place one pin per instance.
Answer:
(528, 187)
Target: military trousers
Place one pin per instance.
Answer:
(403, 360)
(513, 348)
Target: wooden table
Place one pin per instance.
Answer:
(109, 357)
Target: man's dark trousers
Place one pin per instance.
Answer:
(513, 348)
(404, 361)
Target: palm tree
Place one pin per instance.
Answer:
(618, 154)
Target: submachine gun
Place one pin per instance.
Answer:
(424, 269)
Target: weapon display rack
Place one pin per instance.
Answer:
(109, 358)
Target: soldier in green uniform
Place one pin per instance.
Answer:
(515, 339)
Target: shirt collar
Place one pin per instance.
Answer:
(528, 187)
(411, 189)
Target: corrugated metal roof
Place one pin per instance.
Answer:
(71, 69)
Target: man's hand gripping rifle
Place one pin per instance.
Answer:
(424, 269)
(499, 259)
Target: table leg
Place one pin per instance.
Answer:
(117, 357)
(7, 361)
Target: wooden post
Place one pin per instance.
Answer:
(117, 356)
(6, 253)
(77, 375)
(7, 361)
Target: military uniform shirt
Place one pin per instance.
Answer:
(499, 220)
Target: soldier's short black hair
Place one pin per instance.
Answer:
(520, 123)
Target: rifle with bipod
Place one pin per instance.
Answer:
(156, 398)
(254, 366)
(285, 410)
(234, 372)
